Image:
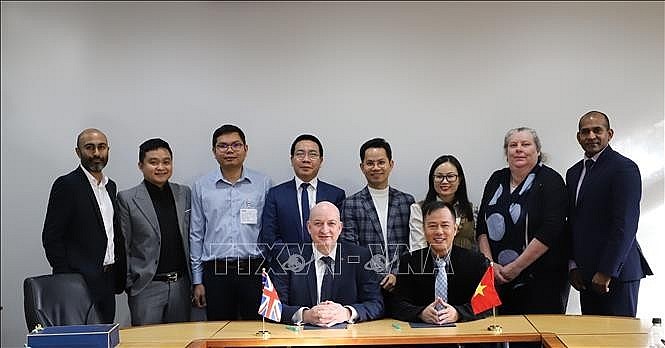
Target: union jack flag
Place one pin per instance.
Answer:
(271, 306)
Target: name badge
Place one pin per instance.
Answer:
(248, 216)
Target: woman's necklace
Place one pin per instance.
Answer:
(513, 184)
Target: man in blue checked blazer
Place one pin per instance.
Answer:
(286, 211)
(377, 217)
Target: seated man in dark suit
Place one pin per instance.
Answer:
(333, 286)
(418, 295)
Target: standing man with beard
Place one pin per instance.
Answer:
(80, 231)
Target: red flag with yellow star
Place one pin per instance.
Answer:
(485, 296)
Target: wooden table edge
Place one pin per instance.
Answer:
(550, 340)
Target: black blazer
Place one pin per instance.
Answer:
(415, 283)
(74, 237)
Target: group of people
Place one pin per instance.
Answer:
(336, 259)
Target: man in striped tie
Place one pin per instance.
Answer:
(435, 284)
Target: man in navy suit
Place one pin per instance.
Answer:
(333, 285)
(604, 191)
(287, 205)
(377, 217)
(81, 234)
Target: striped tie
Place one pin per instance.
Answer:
(441, 281)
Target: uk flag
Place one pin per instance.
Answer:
(271, 306)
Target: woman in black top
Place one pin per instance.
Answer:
(521, 228)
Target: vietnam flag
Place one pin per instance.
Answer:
(485, 296)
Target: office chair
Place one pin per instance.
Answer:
(57, 299)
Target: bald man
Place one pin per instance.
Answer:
(333, 283)
(80, 232)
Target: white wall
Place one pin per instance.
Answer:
(432, 78)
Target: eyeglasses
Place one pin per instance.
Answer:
(438, 178)
(237, 146)
(379, 163)
(300, 155)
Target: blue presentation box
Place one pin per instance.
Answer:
(97, 336)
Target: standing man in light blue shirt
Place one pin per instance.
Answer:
(227, 205)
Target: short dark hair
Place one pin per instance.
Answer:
(430, 207)
(379, 143)
(153, 144)
(226, 129)
(461, 195)
(309, 137)
(594, 113)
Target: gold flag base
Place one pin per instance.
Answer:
(496, 329)
(265, 334)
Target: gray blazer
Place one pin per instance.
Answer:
(138, 221)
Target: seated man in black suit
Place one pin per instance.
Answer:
(333, 285)
(419, 296)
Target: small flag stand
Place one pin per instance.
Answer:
(486, 297)
(270, 306)
(495, 328)
(263, 332)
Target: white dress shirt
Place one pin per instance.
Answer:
(106, 208)
(311, 193)
(320, 271)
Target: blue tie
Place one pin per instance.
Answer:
(441, 281)
(304, 204)
(326, 283)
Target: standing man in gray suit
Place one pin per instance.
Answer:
(154, 218)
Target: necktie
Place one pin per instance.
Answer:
(304, 204)
(326, 284)
(441, 281)
(588, 164)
